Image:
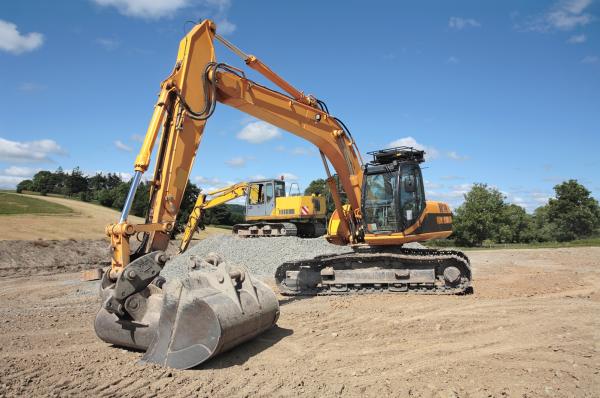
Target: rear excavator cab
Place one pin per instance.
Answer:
(394, 199)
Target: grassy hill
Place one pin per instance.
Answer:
(11, 203)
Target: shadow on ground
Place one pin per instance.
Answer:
(240, 354)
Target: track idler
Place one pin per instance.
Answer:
(183, 323)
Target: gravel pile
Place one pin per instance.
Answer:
(260, 255)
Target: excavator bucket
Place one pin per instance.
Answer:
(183, 323)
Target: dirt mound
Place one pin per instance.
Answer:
(46, 257)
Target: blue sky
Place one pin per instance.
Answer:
(506, 93)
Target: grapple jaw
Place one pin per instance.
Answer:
(186, 322)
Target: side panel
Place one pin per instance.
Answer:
(300, 207)
(434, 223)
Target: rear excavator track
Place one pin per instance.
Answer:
(264, 229)
(272, 229)
(374, 269)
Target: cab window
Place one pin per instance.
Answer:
(269, 192)
(279, 189)
(380, 202)
(412, 196)
(256, 194)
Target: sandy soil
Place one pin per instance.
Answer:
(532, 328)
(87, 221)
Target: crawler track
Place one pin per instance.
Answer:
(371, 270)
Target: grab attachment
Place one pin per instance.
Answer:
(186, 322)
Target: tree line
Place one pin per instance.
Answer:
(111, 190)
(486, 217)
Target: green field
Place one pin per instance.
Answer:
(11, 203)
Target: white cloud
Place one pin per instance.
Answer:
(225, 27)
(528, 199)
(455, 156)
(137, 138)
(452, 60)
(10, 177)
(20, 171)
(29, 152)
(577, 39)
(563, 15)
(206, 180)
(304, 151)
(30, 87)
(258, 132)
(156, 9)
(9, 182)
(280, 148)
(120, 145)
(14, 42)
(288, 176)
(238, 161)
(459, 23)
(590, 59)
(108, 44)
(149, 9)
(451, 178)
(430, 152)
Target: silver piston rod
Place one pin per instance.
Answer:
(135, 182)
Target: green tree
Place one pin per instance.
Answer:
(480, 216)
(187, 205)
(106, 197)
(97, 182)
(113, 180)
(574, 213)
(544, 230)
(75, 182)
(25, 185)
(515, 225)
(42, 182)
(140, 202)
(320, 187)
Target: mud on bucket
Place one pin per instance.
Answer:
(208, 313)
(186, 322)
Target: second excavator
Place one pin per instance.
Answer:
(269, 212)
(183, 323)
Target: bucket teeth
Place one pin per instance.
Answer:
(192, 320)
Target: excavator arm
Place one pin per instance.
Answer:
(205, 202)
(187, 99)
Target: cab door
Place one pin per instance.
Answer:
(260, 200)
(412, 194)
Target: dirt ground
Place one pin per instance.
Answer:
(532, 328)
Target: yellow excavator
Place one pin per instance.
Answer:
(269, 212)
(182, 323)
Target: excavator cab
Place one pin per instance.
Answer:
(393, 192)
